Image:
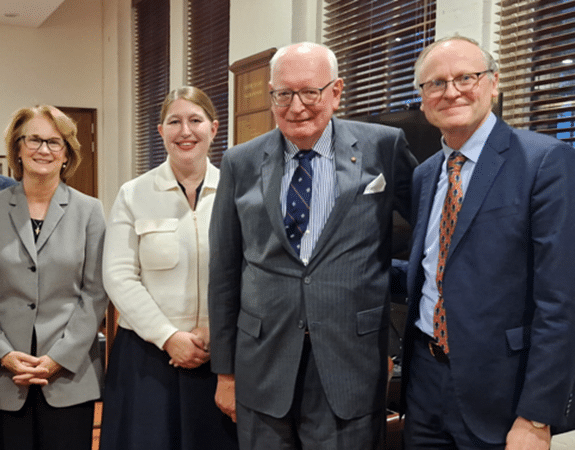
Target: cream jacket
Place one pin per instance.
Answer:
(156, 255)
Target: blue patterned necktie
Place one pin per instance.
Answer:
(299, 199)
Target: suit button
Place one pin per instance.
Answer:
(33, 269)
(32, 306)
(307, 280)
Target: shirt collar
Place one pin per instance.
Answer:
(322, 147)
(166, 180)
(472, 148)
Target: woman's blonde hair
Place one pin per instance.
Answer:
(192, 94)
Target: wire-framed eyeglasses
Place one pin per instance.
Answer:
(308, 96)
(35, 142)
(463, 83)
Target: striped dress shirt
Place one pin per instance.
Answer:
(324, 188)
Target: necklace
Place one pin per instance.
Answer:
(37, 226)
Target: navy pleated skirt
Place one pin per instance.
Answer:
(151, 405)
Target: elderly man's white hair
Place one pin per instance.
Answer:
(306, 47)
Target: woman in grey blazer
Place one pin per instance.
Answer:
(52, 299)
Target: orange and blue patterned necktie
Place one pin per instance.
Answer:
(451, 207)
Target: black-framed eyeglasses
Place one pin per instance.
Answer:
(35, 142)
(308, 96)
(463, 83)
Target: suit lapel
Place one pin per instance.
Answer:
(272, 172)
(348, 169)
(55, 213)
(488, 166)
(20, 217)
(424, 197)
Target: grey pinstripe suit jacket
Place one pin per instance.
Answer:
(262, 297)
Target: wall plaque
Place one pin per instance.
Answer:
(252, 113)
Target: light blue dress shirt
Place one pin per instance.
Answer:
(471, 150)
(323, 185)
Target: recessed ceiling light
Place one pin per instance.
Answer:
(567, 61)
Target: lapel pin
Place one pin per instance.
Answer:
(353, 159)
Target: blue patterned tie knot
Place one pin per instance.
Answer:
(299, 199)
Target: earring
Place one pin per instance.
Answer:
(63, 165)
(20, 161)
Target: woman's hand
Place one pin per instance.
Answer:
(188, 349)
(29, 369)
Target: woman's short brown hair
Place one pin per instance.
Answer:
(65, 126)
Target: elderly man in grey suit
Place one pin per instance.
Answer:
(299, 276)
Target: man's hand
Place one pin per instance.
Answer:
(226, 395)
(524, 436)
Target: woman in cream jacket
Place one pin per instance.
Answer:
(159, 390)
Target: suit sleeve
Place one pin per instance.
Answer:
(550, 373)
(404, 164)
(226, 261)
(70, 351)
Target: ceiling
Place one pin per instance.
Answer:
(28, 13)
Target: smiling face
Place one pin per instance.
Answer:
(298, 68)
(458, 115)
(187, 133)
(41, 162)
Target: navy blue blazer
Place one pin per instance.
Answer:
(6, 182)
(509, 284)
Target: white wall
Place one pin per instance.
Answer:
(472, 18)
(59, 63)
(115, 144)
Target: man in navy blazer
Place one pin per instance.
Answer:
(508, 369)
(303, 334)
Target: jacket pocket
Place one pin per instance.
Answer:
(369, 320)
(249, 324)
(159, 248)
(518, 338)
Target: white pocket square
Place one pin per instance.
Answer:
(377, 185)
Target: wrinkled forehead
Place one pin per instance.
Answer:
(452, 58)
(302, 65)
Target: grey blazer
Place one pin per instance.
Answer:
(53, 286)
(262, 297)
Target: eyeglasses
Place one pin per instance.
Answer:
(34, 143)
(308, 96)
(463, 83)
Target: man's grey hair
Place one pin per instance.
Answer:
(490, 63)
(310, 45)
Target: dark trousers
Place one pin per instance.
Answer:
(310, 424)
(39, 426)
(433, 419)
